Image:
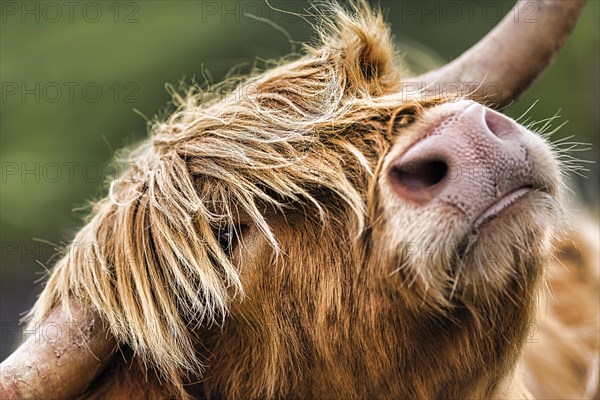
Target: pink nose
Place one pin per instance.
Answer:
(469, 160)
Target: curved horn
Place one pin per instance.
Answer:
(58, 361)
(506, 61)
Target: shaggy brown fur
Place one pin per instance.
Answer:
(320, 297)
(562, 356)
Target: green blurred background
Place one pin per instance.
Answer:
(73, 73)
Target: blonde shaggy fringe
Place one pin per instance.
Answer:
(148, 260)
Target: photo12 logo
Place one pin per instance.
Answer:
(69, 91)
(52, 12)
(469, 12)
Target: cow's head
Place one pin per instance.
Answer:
(332, 217)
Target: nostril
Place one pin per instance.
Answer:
(419, 176)
(497, 123)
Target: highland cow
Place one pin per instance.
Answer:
(313, 233)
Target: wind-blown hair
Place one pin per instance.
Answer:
(149, 260)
